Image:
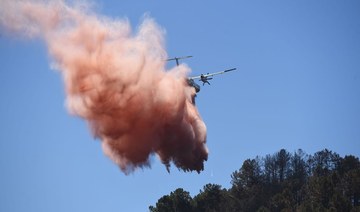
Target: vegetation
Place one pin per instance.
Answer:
(283, 182)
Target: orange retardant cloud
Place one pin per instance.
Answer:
(116, 81)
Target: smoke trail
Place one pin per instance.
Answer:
(115, 79)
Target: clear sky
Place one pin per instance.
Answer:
(297, 86)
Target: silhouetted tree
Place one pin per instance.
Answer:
(324, 161)
(298, 176)
(177, 201)
(165, 203)
(279, 182)
(283, 164)
(247, 185)
(270, 169)
(211, 198)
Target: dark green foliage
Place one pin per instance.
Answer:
(179, 201)
(279, 182)
(211, 198)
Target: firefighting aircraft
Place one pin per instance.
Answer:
(204, 78)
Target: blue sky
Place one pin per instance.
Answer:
(297, 86)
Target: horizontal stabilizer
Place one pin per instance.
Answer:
(178, 58)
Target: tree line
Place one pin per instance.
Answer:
(282, 181)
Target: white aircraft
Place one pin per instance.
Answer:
(203, 77)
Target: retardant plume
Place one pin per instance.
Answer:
(116, 80)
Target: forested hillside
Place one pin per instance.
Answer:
(282, 181)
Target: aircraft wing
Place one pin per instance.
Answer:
(212, 74)
(178, 58)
